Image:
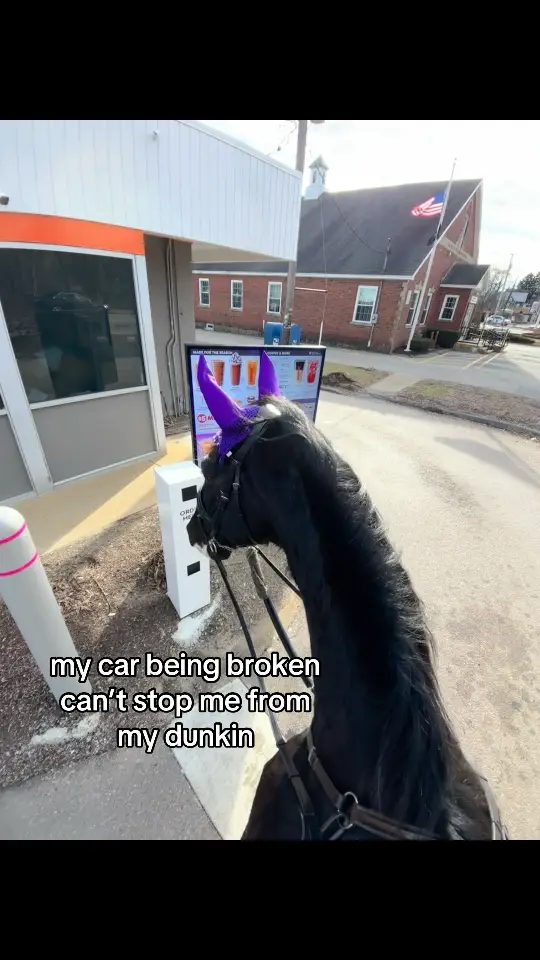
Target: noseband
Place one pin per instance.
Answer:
(348, 812)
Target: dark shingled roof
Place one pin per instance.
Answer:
(357, 225)
(465, 275)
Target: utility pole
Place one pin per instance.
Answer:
(420, 304)
(300, 164)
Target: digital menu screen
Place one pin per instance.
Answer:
(236, 369)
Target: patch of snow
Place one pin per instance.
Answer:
(190, 628)
(83, 729)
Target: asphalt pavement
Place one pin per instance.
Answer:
(516, 370)
(462, 505)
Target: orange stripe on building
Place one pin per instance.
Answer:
(63, 232)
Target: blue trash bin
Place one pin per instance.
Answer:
(273, 334)
(295, 335)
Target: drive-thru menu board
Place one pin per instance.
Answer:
(236, 369)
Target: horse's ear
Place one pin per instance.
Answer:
(268, 382)
(225, 411)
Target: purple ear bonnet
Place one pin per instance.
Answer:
(234, 421)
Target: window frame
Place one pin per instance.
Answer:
(449, 296)
(426, 309)
(415, 296)
(241, 307)
(201, 281)
(274, 283)
(370, 322)
(17, 406)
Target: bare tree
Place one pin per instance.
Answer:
(488, 299)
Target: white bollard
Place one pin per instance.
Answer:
(186, 569)
(29, 598)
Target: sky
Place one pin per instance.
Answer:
(377, 153)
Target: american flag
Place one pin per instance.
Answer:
(431, 208)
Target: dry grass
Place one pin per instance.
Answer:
(429, 388)
(176, 425)
(343, 376)
(457, 399)
(155, 571)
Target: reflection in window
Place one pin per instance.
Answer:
(72, 320)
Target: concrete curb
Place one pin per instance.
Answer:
(517, 428)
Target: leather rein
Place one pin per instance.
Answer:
(348, 812)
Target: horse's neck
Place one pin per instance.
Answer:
(376, 710)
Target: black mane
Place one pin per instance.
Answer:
(379, 713)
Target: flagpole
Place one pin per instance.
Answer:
(420, 304)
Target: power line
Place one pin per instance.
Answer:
(286, 139)
(381, 253)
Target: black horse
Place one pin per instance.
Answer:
(379, 728)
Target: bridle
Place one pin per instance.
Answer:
(348, 813)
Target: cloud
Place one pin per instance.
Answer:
(372, 153)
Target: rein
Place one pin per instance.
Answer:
(349, 813)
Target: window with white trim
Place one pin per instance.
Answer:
(425, 309)
(237, 294)
(364, 308)
(413, 303)
(273, 304)
(449, 308)
(204, 293)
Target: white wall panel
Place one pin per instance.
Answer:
(188, 181)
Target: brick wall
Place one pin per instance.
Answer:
(311, 307)
(337, 306)
(437, 304)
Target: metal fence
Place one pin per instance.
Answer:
(490, 339)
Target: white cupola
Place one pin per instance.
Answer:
(317, 183)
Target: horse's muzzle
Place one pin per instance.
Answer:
(198, 538)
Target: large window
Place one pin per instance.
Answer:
(274, 297)
(204, 293)
(72, 319)
(412, 308)
(449, 308)
(237, 294)
(364, 309)
(425, 308)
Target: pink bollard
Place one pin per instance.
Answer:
(29, 597)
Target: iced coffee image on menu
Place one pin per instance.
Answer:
(313, 369)
(299, 367)
(218, 369)
(251, 372)
(236, 370)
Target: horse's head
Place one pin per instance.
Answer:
(242, 465)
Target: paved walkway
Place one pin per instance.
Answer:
(83, 508)
(392, 384)
(457, 500)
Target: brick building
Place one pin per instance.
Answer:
(362, 260)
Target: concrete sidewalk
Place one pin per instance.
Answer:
(85, 507)
(122, 795)
(125, 794)
(392, 384)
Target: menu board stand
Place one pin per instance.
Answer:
(299, 371)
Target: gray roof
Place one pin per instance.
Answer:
(357, 226)
(465, 275)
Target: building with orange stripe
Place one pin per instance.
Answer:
(101, 225)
